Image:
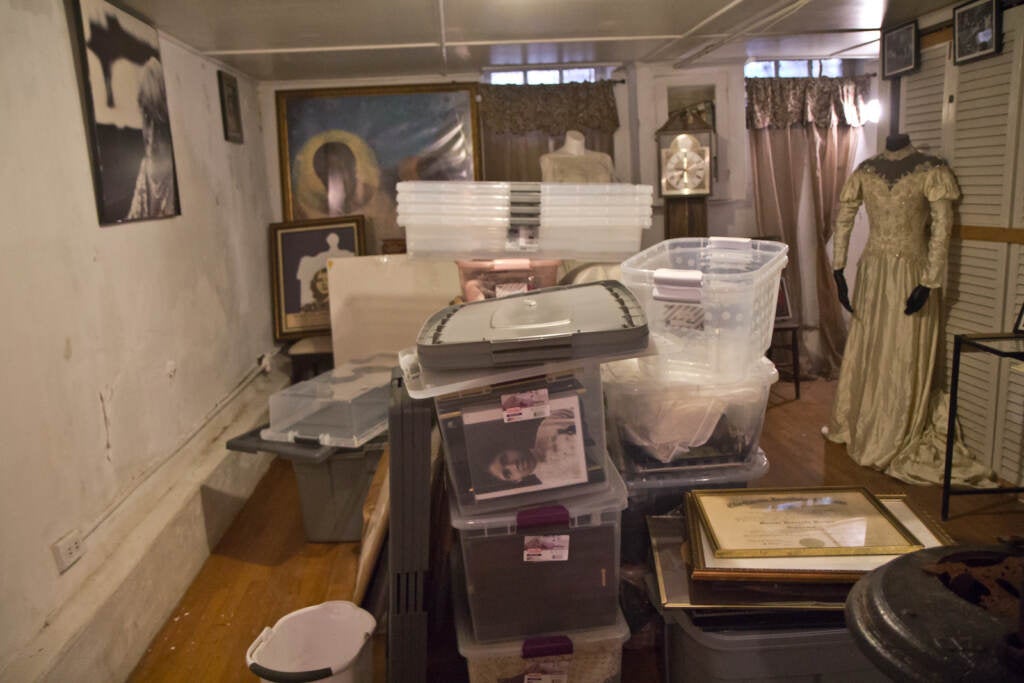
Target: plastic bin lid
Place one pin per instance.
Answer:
(545, 644)
(555, 323)
(567, 510)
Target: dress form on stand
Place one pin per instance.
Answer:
(574, 163)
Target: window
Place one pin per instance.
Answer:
(553, 76)
(794, 68)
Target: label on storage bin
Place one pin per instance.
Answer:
(546, 678)
(525, 405)
(546, 548)
(522, 238)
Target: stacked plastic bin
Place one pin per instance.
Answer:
(691, 416)
(534, 497)
(510, 237)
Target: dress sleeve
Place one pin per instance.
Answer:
(850, 198)
(941, 190)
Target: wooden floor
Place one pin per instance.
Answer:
(263, 568)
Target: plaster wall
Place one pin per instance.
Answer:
(120, 342)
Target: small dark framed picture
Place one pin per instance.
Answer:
(1018, 327)
(299, 252)
(977, 30)
(900, 50)
(230, 111)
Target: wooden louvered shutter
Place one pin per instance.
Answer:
(922, 97)
(969, 114)
(1009, 447)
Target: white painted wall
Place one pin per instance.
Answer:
(118, 341)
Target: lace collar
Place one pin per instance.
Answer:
(901, 153)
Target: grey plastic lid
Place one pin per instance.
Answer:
(556, 323)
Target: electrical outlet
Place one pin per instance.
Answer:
(68, 550)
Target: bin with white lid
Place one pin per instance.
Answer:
(326, 642)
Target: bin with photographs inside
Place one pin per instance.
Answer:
(546, 569)
(497, 278)
(525, 442)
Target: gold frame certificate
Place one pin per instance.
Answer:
(800, 522)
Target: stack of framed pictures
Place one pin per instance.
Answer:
(765, 550)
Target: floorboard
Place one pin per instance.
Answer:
(263, 568)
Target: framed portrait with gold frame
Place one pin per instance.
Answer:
(342, 151)
(299, 255)
(800, 522)
(845, 568)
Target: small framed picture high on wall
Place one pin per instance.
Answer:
(900, 50)
(977, 30)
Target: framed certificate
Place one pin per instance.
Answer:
(799, 522)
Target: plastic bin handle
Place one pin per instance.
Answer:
(529, 351)
(279, 676)
(546, 646)
(677, 285)
(547, 515)
(729, 242)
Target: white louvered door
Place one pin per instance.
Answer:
(970, 114)
(1009, 450)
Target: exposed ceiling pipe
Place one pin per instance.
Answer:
(753, 25)
(693, 29)
(444, 44)
(853, 47)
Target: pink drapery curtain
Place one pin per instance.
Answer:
(519, 123)
(800, 130)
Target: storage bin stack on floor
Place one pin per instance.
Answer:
(691, 416)
(534, 497)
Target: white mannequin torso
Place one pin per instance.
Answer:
(573, 163)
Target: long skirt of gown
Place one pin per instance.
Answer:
(888, 410)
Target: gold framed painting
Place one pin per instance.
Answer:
(343, 150)
(800, 522)
(705, 566)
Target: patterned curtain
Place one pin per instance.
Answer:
(519, 123)
(803, 134)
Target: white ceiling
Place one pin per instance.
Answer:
(326, 39)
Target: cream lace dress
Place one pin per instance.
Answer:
(888, 409)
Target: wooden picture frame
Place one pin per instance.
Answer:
(230, 109)
(806, 569)
(343, 150)
(800, 522)
(124, 101)
(299, 251)
(977, 30)
(901, 50)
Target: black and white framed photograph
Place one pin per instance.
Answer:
(299, 255)
(230, 110)
(977, 30)
(900, 50)
(542, 451)
(127, 121)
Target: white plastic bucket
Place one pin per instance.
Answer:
(326, 642)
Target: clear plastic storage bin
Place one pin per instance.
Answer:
(548, 569)
(345, 407)
(807, 655)
(585, 656)
(599, 222)
(526, 441)
(710, 300)
(663, 422)
(489, 279)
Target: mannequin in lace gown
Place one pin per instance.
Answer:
(888, 409)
